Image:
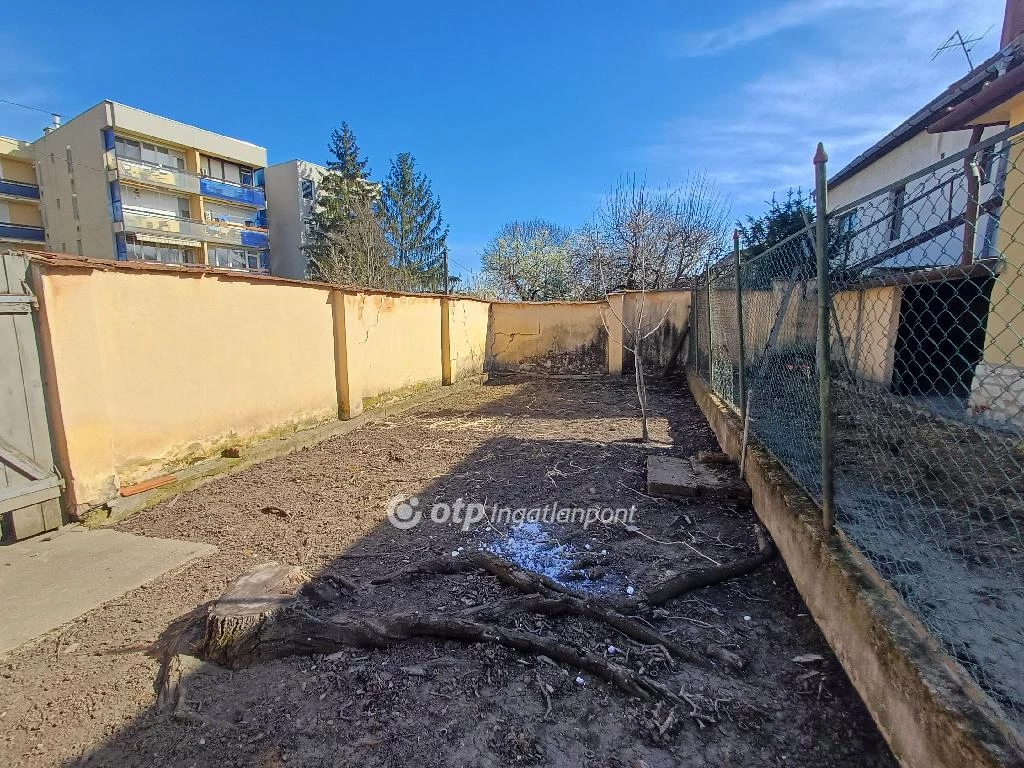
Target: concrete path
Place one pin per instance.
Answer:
(49, 580)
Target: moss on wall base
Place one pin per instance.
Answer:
(396, 395)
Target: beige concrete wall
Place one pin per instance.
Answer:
(668, 312)
(868, 322)
(151, 370)
(551, 337)
(760, 314)
(573, 337)
(464, 338)
(393, 343)
(997, 392)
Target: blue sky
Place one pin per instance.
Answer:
(514, 110)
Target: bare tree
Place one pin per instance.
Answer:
(358, 253)
(635, 331)
(645, 239)
(652, 238)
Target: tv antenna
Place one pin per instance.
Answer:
(966, 44)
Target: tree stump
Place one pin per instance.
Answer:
(244, 612)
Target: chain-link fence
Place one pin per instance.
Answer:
(924, 389)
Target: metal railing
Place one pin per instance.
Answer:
(143, 172)
(26, 232)
(878, 353)
(19, 189)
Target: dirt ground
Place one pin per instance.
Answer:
(85, 694)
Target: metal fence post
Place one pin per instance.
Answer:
(824, 345)
(742, 353)
(711, 372)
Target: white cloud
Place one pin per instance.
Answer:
(790, 15)
(865, 68)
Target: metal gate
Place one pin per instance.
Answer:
(30, 486)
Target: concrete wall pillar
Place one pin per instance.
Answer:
(448, 363)
(614, 313)
(348, 371)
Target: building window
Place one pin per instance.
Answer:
(225, 170)
(151, 201)
(137, 250)
(154, 154)
(228, 257)
(847, 226)
(307, 189)
(897, 198)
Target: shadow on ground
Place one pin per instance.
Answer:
(518, 444)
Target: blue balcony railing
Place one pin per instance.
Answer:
(22, 232)
(255, 239)
(19, 189)
(235, 193)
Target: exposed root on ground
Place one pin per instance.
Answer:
(261, 617)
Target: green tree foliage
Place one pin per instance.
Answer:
(347, 161)
(529, 261)
(413, 226)
(781, 221)
(346, 215)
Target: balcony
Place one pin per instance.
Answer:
(229, 234)
(233, 193)
(148, 222)
(19, 189)
(156, 223)
(22, 232)
(157, 176)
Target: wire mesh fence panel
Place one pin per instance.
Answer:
(724, 359)
(926, 364)
(928, 401)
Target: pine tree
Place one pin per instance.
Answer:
(346, 160)
(413, 225)
(348, 209)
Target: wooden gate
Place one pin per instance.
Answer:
(30, 486)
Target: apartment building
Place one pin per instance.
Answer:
(120, 183)
(21, 220)
(292, 189)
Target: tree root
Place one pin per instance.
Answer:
(672, 588)
(295, 632)
(261, 617)
(566, 605)
(529, 582)
(557, 599)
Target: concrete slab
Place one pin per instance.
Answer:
(50, 580)
(684, 478)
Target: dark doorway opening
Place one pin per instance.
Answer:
(941, 337)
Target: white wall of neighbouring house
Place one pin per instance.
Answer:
(931, 199)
